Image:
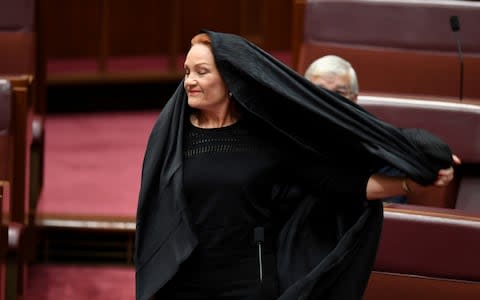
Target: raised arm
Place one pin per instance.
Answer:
(381, 186)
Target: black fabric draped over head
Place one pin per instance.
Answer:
(310, 264)
(316, 117)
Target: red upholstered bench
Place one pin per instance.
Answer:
(427, 253)
(458, 124)
(396, 46)
(430, 250)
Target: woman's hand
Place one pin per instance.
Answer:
(445, 176)
(380, 186)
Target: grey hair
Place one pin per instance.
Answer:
(332, 64)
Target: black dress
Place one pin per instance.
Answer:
(231, 175)
(327, 248)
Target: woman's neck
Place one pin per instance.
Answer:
(206, 119)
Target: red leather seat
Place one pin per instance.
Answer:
(427, 253)
(396, 47)
(429, 247)
(458, 124)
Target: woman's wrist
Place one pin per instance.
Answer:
(405, 186)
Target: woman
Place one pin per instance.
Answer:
(240, 201)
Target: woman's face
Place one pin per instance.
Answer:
(205, 87)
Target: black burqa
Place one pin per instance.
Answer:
(311, 264)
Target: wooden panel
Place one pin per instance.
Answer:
(18, 145)
(217, 15)
(91, 40)
(22, 110)
(251, 24)
(138, 27)
(298, 12)
(71, 28)
(277, 24)
(142, 27)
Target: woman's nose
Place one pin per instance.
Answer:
(190, 81)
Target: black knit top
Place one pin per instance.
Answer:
(229, 179)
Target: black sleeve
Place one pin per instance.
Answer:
(337, 180)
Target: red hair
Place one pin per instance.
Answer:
(201, 38)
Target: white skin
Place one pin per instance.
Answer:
(208, 94)
(206, 90)
(381, 186)
(339, 84)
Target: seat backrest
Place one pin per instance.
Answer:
(469, 190)
(427, 242)
(17, 37)
(5, 106)
(19, 44)
(5, 119)
(17, 15)
(402, 47)
(458, 124)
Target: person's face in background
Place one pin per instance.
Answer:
(205, 87)
(339, 84)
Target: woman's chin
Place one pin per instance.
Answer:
(194, 103)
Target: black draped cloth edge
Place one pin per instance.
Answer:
(316, 119)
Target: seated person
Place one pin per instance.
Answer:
(335, 74)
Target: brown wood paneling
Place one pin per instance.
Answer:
(277, 24)
(217, 15)
(104, 29)
(71, 28)
(139, 27)
(143, 27)
(251, 25)
(19, 141)
(298, 15)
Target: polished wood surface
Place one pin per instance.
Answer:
(88, 28)
(83, 39)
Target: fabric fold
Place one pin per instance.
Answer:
(336, 130)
